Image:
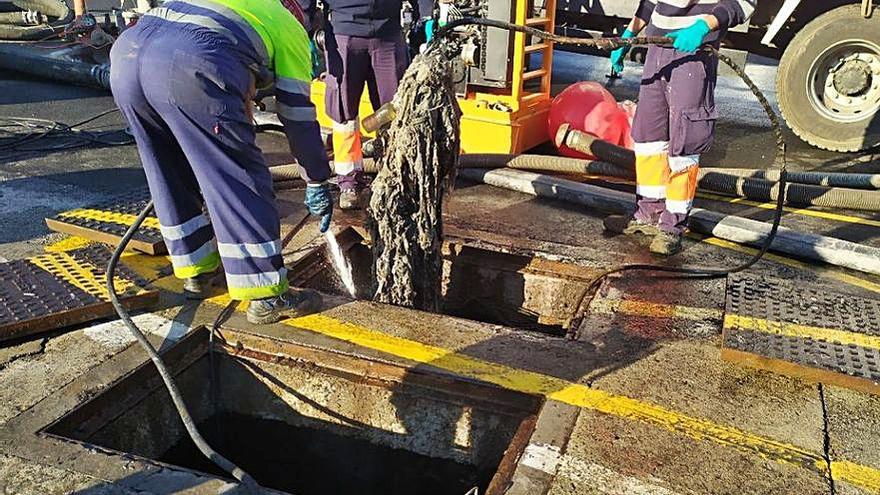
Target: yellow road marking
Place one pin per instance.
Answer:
(67, 244)
(585, 397)
(856, 474)
(801, 331)
(823, 271)
(109, 216)
(80, 274)
(837, 217)
(609, 306)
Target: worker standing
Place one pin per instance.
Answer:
(675, 119)
(364, 46)
(183, 77)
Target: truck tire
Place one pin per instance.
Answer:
(828, 81)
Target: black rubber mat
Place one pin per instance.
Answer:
(778, 325)
(108, 221)
(58, 289)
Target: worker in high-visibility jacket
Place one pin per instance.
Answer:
(675, 120)
(183, 77)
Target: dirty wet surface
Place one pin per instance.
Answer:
(307, 461)
(658, 410)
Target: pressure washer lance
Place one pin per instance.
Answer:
(246, 480)
(387, 113)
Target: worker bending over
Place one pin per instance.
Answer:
(184, 76)
(364, 46)
(675, 119)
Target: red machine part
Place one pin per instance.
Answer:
(587, 106)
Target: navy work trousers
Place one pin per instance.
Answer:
(183, 91)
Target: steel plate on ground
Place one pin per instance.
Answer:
(107, 222)
(777, 325)
(54, 290)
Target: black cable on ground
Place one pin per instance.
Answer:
(612, 44)
(246, 480)
(22, 136)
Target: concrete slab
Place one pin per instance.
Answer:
(853, 433)
(610, 455)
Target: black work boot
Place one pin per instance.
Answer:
(666, 244)
(295, 302)
(354, 199)
(199, 287)
(628, 224)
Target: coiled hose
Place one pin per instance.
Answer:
(738, 185)
(57, 12)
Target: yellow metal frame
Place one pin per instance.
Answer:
(507, 121)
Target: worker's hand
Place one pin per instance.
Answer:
(81, 25)
(618, 55)
(320, 202)
(690, 38)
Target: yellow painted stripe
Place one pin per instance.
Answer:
(81, 274)
(787, 329)
(823, 271)
(562, 390)
(109, 216)
(856, 474)
(609, 306)
(837, 217)
(67, 244)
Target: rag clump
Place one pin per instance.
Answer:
(416, 168)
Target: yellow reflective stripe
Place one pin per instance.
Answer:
(250, 293)
(787, 329)
(207, 264)
(110, 217)
(81, 274)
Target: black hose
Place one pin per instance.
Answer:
(612, 44)
(26, 60)
(223, 463)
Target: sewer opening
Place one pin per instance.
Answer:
(306, 421)
(525, 292)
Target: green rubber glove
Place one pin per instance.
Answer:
(618, 55)
(690, 38)
(319, 201)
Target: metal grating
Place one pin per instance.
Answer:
(108, 221)
(58, 289)
(781, 300)
(777, 325)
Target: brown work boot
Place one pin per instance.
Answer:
(628, 224)
(291, 304)
(666, 244)
(352, 199)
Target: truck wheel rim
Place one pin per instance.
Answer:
(843, 83)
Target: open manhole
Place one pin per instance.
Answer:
(519, 291)
(307, 421)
